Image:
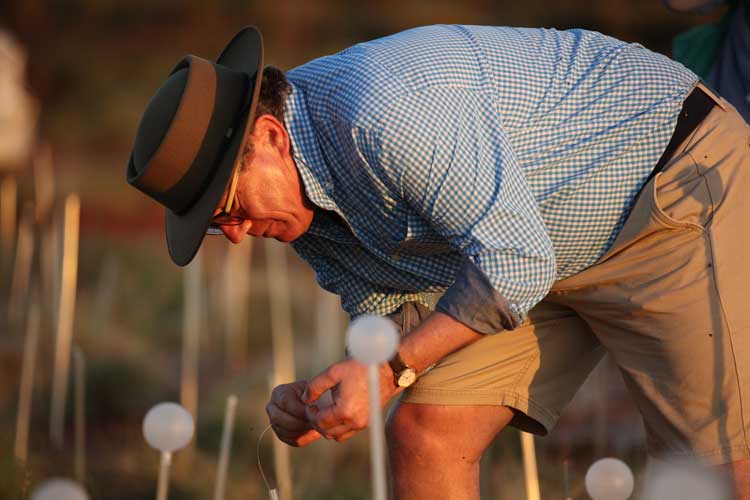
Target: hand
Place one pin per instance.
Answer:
(287, 415)
(350, 411)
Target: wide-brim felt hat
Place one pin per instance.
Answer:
(191, 136)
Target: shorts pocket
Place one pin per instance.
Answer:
(682, 201)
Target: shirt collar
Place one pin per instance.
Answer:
(316, 177)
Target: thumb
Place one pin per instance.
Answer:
(319, 384)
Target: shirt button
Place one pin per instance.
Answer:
(396, 256)
(329, 185)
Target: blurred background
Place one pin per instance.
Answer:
(97, 325)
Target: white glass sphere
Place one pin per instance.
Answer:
(609, 479)
(168, 427)
(683, 481)
(59, 489)
(372, 339)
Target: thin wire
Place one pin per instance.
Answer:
(257, 453)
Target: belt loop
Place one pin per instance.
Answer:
(406, 325)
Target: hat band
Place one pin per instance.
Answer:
(185, 135)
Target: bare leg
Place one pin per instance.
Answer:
(434, 450)
(738, 476)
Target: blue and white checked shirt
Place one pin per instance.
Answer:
(491, 160)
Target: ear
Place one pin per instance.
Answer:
(269, 131)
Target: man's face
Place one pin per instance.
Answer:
(270, 197)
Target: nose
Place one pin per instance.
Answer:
(236, 233)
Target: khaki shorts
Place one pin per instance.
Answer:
(669, 301)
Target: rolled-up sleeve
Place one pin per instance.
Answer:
(445, 152)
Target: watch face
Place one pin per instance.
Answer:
(407, 377)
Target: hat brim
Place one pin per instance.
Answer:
(185, 231)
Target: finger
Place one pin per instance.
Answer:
(297, 439)
(284, 420)
(328, 426)
(346, 436)
(308, 437)
(337, 431)
(326, 418)
(320, 384)
(311, 413)
(276, 411)
(288, 400)
(299, 387)
(334, 421)
(324, 401)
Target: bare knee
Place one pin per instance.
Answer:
(412, 436)
(434, 433)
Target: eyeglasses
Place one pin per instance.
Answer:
(225, 217)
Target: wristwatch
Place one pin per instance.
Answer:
(403, 374)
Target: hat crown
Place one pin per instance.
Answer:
(191, 135)
(184, 131)
(157, 117)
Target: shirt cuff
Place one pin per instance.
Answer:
(473, 301)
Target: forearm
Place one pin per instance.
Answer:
(435, 338)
